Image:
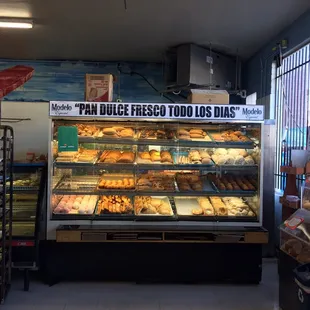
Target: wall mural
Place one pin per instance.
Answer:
(65, 80)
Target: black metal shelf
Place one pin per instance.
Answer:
(139, 167)
(172, 143)
(131, 193)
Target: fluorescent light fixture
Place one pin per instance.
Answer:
(17, 23)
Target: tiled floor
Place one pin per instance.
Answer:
(90, 296)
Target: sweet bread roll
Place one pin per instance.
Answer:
(206, 161)
(145, 155)
(155, 156)
(220, 151)
(221, 160)
(204, 154)
(243, 153)
(197, 211)
(126, 133)
(197, 136)
(229, 160)
(166, 157)
(233, 152)
(239, 160)
(156, 202)
(109, 131)
(153, 152)
(196, 131)
(127, 157)
(183, 132)
(249, 160)
(184, 137)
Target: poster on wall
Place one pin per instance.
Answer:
(155, 111)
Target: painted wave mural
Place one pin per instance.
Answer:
(65, 80)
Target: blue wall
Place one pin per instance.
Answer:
(296, 34)
(65, 80)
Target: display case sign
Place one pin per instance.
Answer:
(156, 111)
(67, 139)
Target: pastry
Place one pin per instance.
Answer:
(196, 136)
(233, 152)
(249, 160)
(293, 247)
(206, 161)
(145, 155)
(126, 133)
(196, 131)
(165, 156)
(197, 211)
(239, 160)
(220, 151)
(184, 137)
(183, 132)
(126, 157)
(155, 156)
(114, 204)
(229, 160)
(109, 131)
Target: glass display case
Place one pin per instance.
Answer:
(165, 171)
(27, 179)
(295, 236)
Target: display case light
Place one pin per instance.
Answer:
(16, 23)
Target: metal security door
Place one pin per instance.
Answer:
(292, 106)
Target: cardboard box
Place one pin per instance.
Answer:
(99, 87)
(208, 96)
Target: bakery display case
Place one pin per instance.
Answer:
(163, 170)
(295, 236)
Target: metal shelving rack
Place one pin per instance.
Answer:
(6, 200)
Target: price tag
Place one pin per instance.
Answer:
(294, 222)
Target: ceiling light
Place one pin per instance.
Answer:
(16, 23)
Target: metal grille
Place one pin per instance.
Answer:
(292, 105)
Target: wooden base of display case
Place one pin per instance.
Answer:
(288, 290)
(85, 234)
(183, 260)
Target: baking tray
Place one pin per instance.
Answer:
(174, 189)
(76, 211)
(239, 218)
(176, 160)
(246, 143)
(114, 177)
(156, 216)
(142, 162)
(184, 206)
(232, 192)
(207, 187)
(114, 216)
(155, 139)
(85, 184)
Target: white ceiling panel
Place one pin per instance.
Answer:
(105, 30)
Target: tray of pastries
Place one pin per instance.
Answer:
(193, 134)
(156, 134)
(66, 157)
(193, 206)
(86, 156)
(195, 157)
(118, 132)
(237, 207)
(232, 183)
(156, 182)
(297, 249)
(233, 136)
(75, 204)
(114, 204)
(238, 157)
(147, 205)
(155, 157)
(116, 157)
(113, 182)
(78, 183)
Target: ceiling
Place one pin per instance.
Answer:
(105, 30)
